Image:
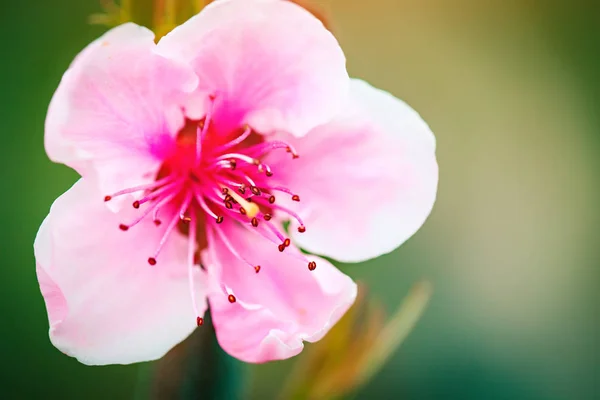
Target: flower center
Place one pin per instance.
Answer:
(208, 177)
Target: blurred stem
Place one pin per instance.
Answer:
(125, 11)
(197, 368)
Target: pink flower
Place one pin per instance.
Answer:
(239, 120)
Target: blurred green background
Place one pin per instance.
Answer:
(512, 91)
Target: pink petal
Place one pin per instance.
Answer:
(367, 180)
(117, 109)
(277, 308)
(105, 303)
(270, 63)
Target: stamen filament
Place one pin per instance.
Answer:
(156, 206)
(157, 193)
(231, 248)
(139, 188)
(247, 132)
(172, 224)
(281, 208)
(191, 253)
(201, 133)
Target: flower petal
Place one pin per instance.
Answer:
(270, 63)
(118, 108)
(105, 303)
(367, 180)
(277, 308)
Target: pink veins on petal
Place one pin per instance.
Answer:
(208, 177)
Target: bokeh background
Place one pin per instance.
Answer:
(512, 91)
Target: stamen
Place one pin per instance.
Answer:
(247, 132)
(199, 321)
(139, 188)
(251, 209)
(201, 133)
(191, 263)
(262, 148)
(238, 156)
(285, 210)
(172, 224)
(156, 206)
(157, 193)
(231, 298)
(312, 265)
(205, 207)
(257, 269)
(230, 247)
(274, 229)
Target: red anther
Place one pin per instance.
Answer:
(312, 265)
(295, 156)
(186, 219)
(107, 198)
(224, 190)
(231, 298)
(296, 197)
(272, 199)
(255, 190)
(242, 211)
(228, 205)
(281, 247)
(219, 219)
(287, 242)
(152, 261)
(242, 189)
(233, 164)
(228, 198)
(267, 217)
(136, 204)
(254, 222)
(302, 229)
(269, 173)
(123, 227)
(199, 321)
(257, 269)
(157, 222)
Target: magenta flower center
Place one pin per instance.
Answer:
(208, 177)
